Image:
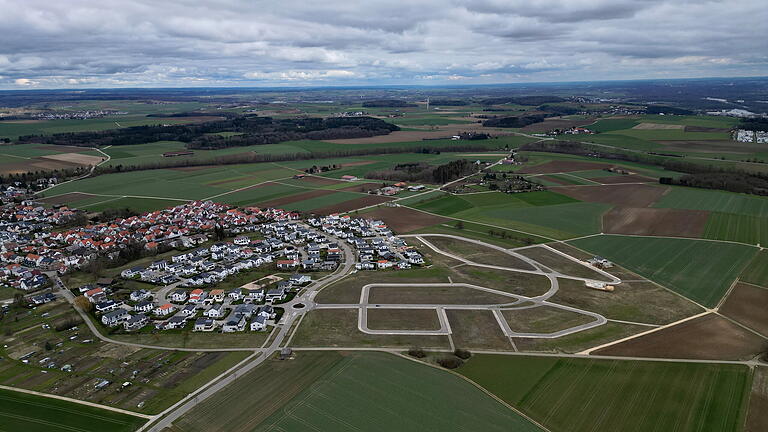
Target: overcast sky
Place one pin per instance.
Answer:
(183, 43)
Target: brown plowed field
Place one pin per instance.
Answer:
(632, 195)
(403, 220)
(705, 129)
(562, 166)
(65, 198)
(320, 181)
(352, 204)
(655, 222)
(279, 202)
(748, 305)
(710, 146)
(710, 337)
(632, 178)
(361, 187)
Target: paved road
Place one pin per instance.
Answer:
(166, 418)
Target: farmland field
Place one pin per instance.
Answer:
(699, 270)
(716, 201)
(607, 395)
(757, 271)
(20, 411)
(351, 398)
(734, 227)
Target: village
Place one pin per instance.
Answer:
(186, 294)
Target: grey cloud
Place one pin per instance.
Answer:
(230, 42)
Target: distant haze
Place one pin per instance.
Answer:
(186, 43)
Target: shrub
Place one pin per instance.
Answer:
(450, 362)
(417, 352)
(462, 353)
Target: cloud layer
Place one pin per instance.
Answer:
(183, 43)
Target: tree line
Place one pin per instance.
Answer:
(250, 130)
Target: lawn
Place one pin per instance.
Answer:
(734, 227)
(20, 411)
(401, 395)
(614, 395)
(700, 270)
(717, 201)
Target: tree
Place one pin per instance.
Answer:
(48, 346)
(83, 303)
(460, 225)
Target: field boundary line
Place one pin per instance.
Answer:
(482, 223)
(635, 336)
(646, 279)
(730, 290)
(201, 389)
(477, 386)
(744, 326)
(81, 402)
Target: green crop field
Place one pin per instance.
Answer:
(180, 184)
(400, 395)
(330, 391)
(20, 411)
(757, 271)
(699, 270)
(572, 395)
(542, 213)
(712, 200)
(140, 205)
(734, 227)
(609, 125)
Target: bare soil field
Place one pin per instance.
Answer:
(404, 220)
(643, 302)
(710, 337)
(354, 204)
(705, 129)
(279, 202)
(748, 304)
(655, 222)
(65, 198)
(562, 166)
(657, 126)
(543, 319)
(338, 328)
(477, 329)
(403, 319)
(555, 123)
(632, 178)
(709, 146)
(757, 420)
(621, 195)
(361, 187)
(561, 264)
(76, 158)
(320, 181)
(434, 295)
